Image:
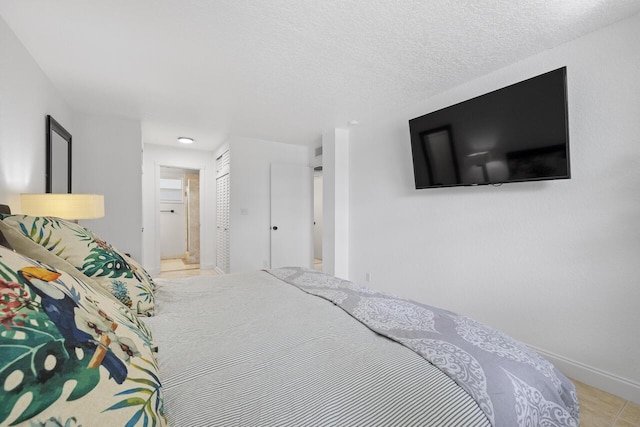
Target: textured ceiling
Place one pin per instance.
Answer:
(283, 70)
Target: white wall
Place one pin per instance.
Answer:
(106, 155)
(335, 202)
(108, 161)
(155, 156)
(26, 97)
(250, 197)
(555, 263)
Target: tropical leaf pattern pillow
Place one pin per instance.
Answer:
(69, 354)
(64, 245)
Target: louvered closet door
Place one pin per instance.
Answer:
(222, 213)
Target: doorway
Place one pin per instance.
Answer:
(317, 218)
(179, 218)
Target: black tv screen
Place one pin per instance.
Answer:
(514, 134)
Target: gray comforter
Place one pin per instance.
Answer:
(512, 384)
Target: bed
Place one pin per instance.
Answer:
(89, 338)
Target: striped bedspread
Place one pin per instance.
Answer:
(251, 350)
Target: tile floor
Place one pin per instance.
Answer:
(176, 265)
(597, 408)
(601, 409)
(176, 268)
(185, 273)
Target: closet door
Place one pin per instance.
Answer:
(291, 216)
(222, 213)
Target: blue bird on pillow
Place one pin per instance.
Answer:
(63, 310)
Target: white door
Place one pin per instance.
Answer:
(222, 223)
(222, 213)
(291, 216)
(317, 216)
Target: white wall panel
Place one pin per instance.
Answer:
(108, 160)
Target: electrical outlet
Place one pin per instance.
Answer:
(367, 277)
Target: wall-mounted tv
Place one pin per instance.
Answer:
(514, 134)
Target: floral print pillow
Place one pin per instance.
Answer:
(67, 246)
(69, 354)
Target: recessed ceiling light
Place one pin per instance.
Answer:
(353, 123)
(185, 140)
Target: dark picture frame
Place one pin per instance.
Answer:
(58, 170)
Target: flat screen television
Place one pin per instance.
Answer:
(514, 134)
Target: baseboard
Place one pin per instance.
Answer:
(207, 267)
(611, 383)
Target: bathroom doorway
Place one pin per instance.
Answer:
(179, 218)
(317, 218)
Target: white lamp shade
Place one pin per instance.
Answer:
(65, 206)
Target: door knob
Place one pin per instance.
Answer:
(275, 227)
